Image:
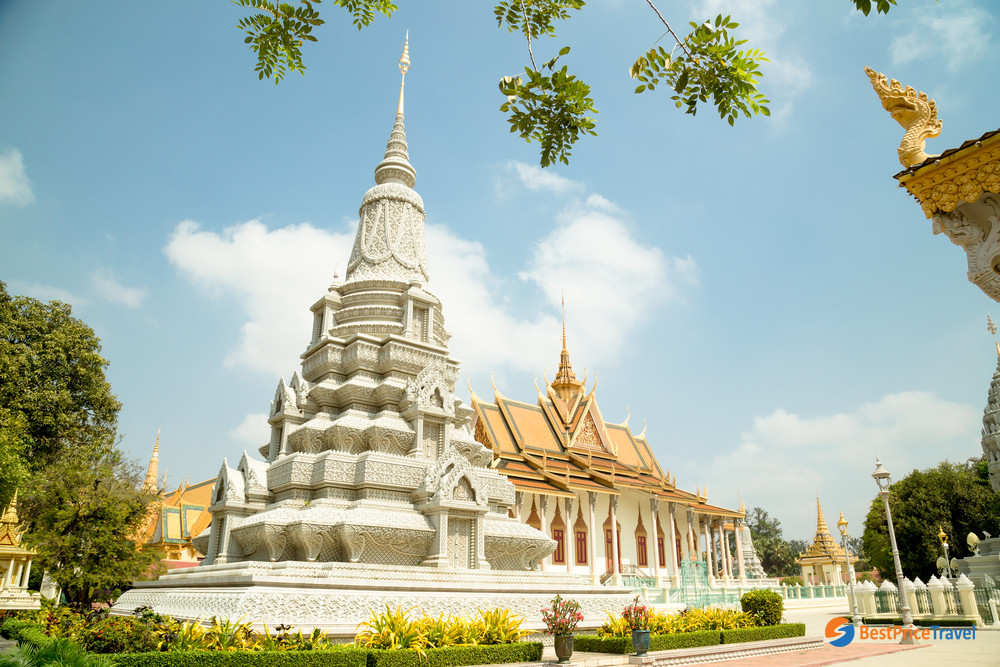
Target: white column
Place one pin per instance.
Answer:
(654, 550)
(739, 552)
(692, 545)
(708, 551)
(672, 534)
(27, 573)
(7, 574)
(593, 534)
(616, 577)
(726, 555)
(543, 505)
(569, 537)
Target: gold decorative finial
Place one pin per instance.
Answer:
(992, 328)
(404, 67)
(916, 112)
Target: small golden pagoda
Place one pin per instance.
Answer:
(176, 517)
(824, 561)
(15, 564)
(585, 482)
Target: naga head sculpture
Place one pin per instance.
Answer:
(914, 111)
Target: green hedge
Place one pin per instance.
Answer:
(11, 628)
(923, 622)
(452, 656)
(339, 658)
(347, 657)
(684, 640)
(623, 645)
(595, 644)
(767, 632)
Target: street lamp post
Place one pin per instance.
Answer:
(944, 543)
(883, 479)
(855, 616)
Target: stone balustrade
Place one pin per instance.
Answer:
(938, 599)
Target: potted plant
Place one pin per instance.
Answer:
(637, 616)
(560, 620)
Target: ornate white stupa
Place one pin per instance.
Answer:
(372, 490)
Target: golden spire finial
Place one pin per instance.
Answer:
(404, 67)
(152, 470)
(992, 328)
(563, 295)
(565, 383)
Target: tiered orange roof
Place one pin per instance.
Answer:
(562, 445)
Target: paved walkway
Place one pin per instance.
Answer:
(983, 650)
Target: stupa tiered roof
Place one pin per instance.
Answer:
(824, 549)
(562, 445)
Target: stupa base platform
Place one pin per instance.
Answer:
(336, 597)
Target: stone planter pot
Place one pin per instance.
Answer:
(640, 641)
(564, 648)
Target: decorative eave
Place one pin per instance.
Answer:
(959, 175)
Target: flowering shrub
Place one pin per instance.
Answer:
(636, 615)
(561, 618)
(689, 620)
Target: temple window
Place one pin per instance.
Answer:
(559, 556)
(580, 534)
(559, 535)
(642, 553)
(661, 543)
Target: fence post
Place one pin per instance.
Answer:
(866, 598)
(936, 588)
(966, 593)
(911, 595)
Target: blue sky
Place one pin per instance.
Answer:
(763, 296)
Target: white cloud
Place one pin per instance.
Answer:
(44, 292)
(252, 432)
(275, 275)
(15, 188)
(537, 179)
(785, 460)
(591, 254)
(110, 288)
(953, 32)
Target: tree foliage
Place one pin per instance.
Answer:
(58, 448)
(775, 554)
(53, 392)
(707, 66)
(86, 511)
(953, 496)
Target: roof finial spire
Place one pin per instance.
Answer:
(404, 66)
(563, 294)
(992, 328)
(151, 471)
(565, 382)
(396, 167)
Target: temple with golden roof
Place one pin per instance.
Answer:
(177, 517)
(824, 561)
(15, 564)
(597, 489)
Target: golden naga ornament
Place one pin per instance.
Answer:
(916, 112)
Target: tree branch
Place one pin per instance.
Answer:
(669, 29)
(527, 34)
